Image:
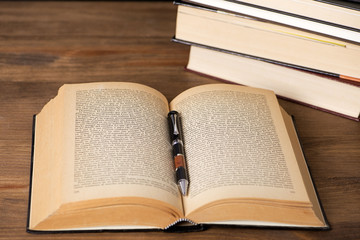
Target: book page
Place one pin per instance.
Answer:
(117, 143)
(309, 185)
(46, 167)
(236, 146)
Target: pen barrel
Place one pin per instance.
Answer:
(179, 161)
(177, 147)
(181, 173)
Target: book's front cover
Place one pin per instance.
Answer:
(351, 4)
(31, 174)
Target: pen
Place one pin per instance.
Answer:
(177, 144)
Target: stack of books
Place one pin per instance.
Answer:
(306, 51)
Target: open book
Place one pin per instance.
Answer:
(102, 160)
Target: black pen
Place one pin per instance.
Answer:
(178, 151)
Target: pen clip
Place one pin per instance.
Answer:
(173, 116)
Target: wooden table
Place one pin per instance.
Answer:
(46, 44)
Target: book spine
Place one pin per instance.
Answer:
(180, 220)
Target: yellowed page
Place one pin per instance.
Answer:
(236, 146)
(47, 167)
(115, 144)
(120, 141)
(310, 188)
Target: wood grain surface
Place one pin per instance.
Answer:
(46, 44)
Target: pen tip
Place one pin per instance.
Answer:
(183, 185)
